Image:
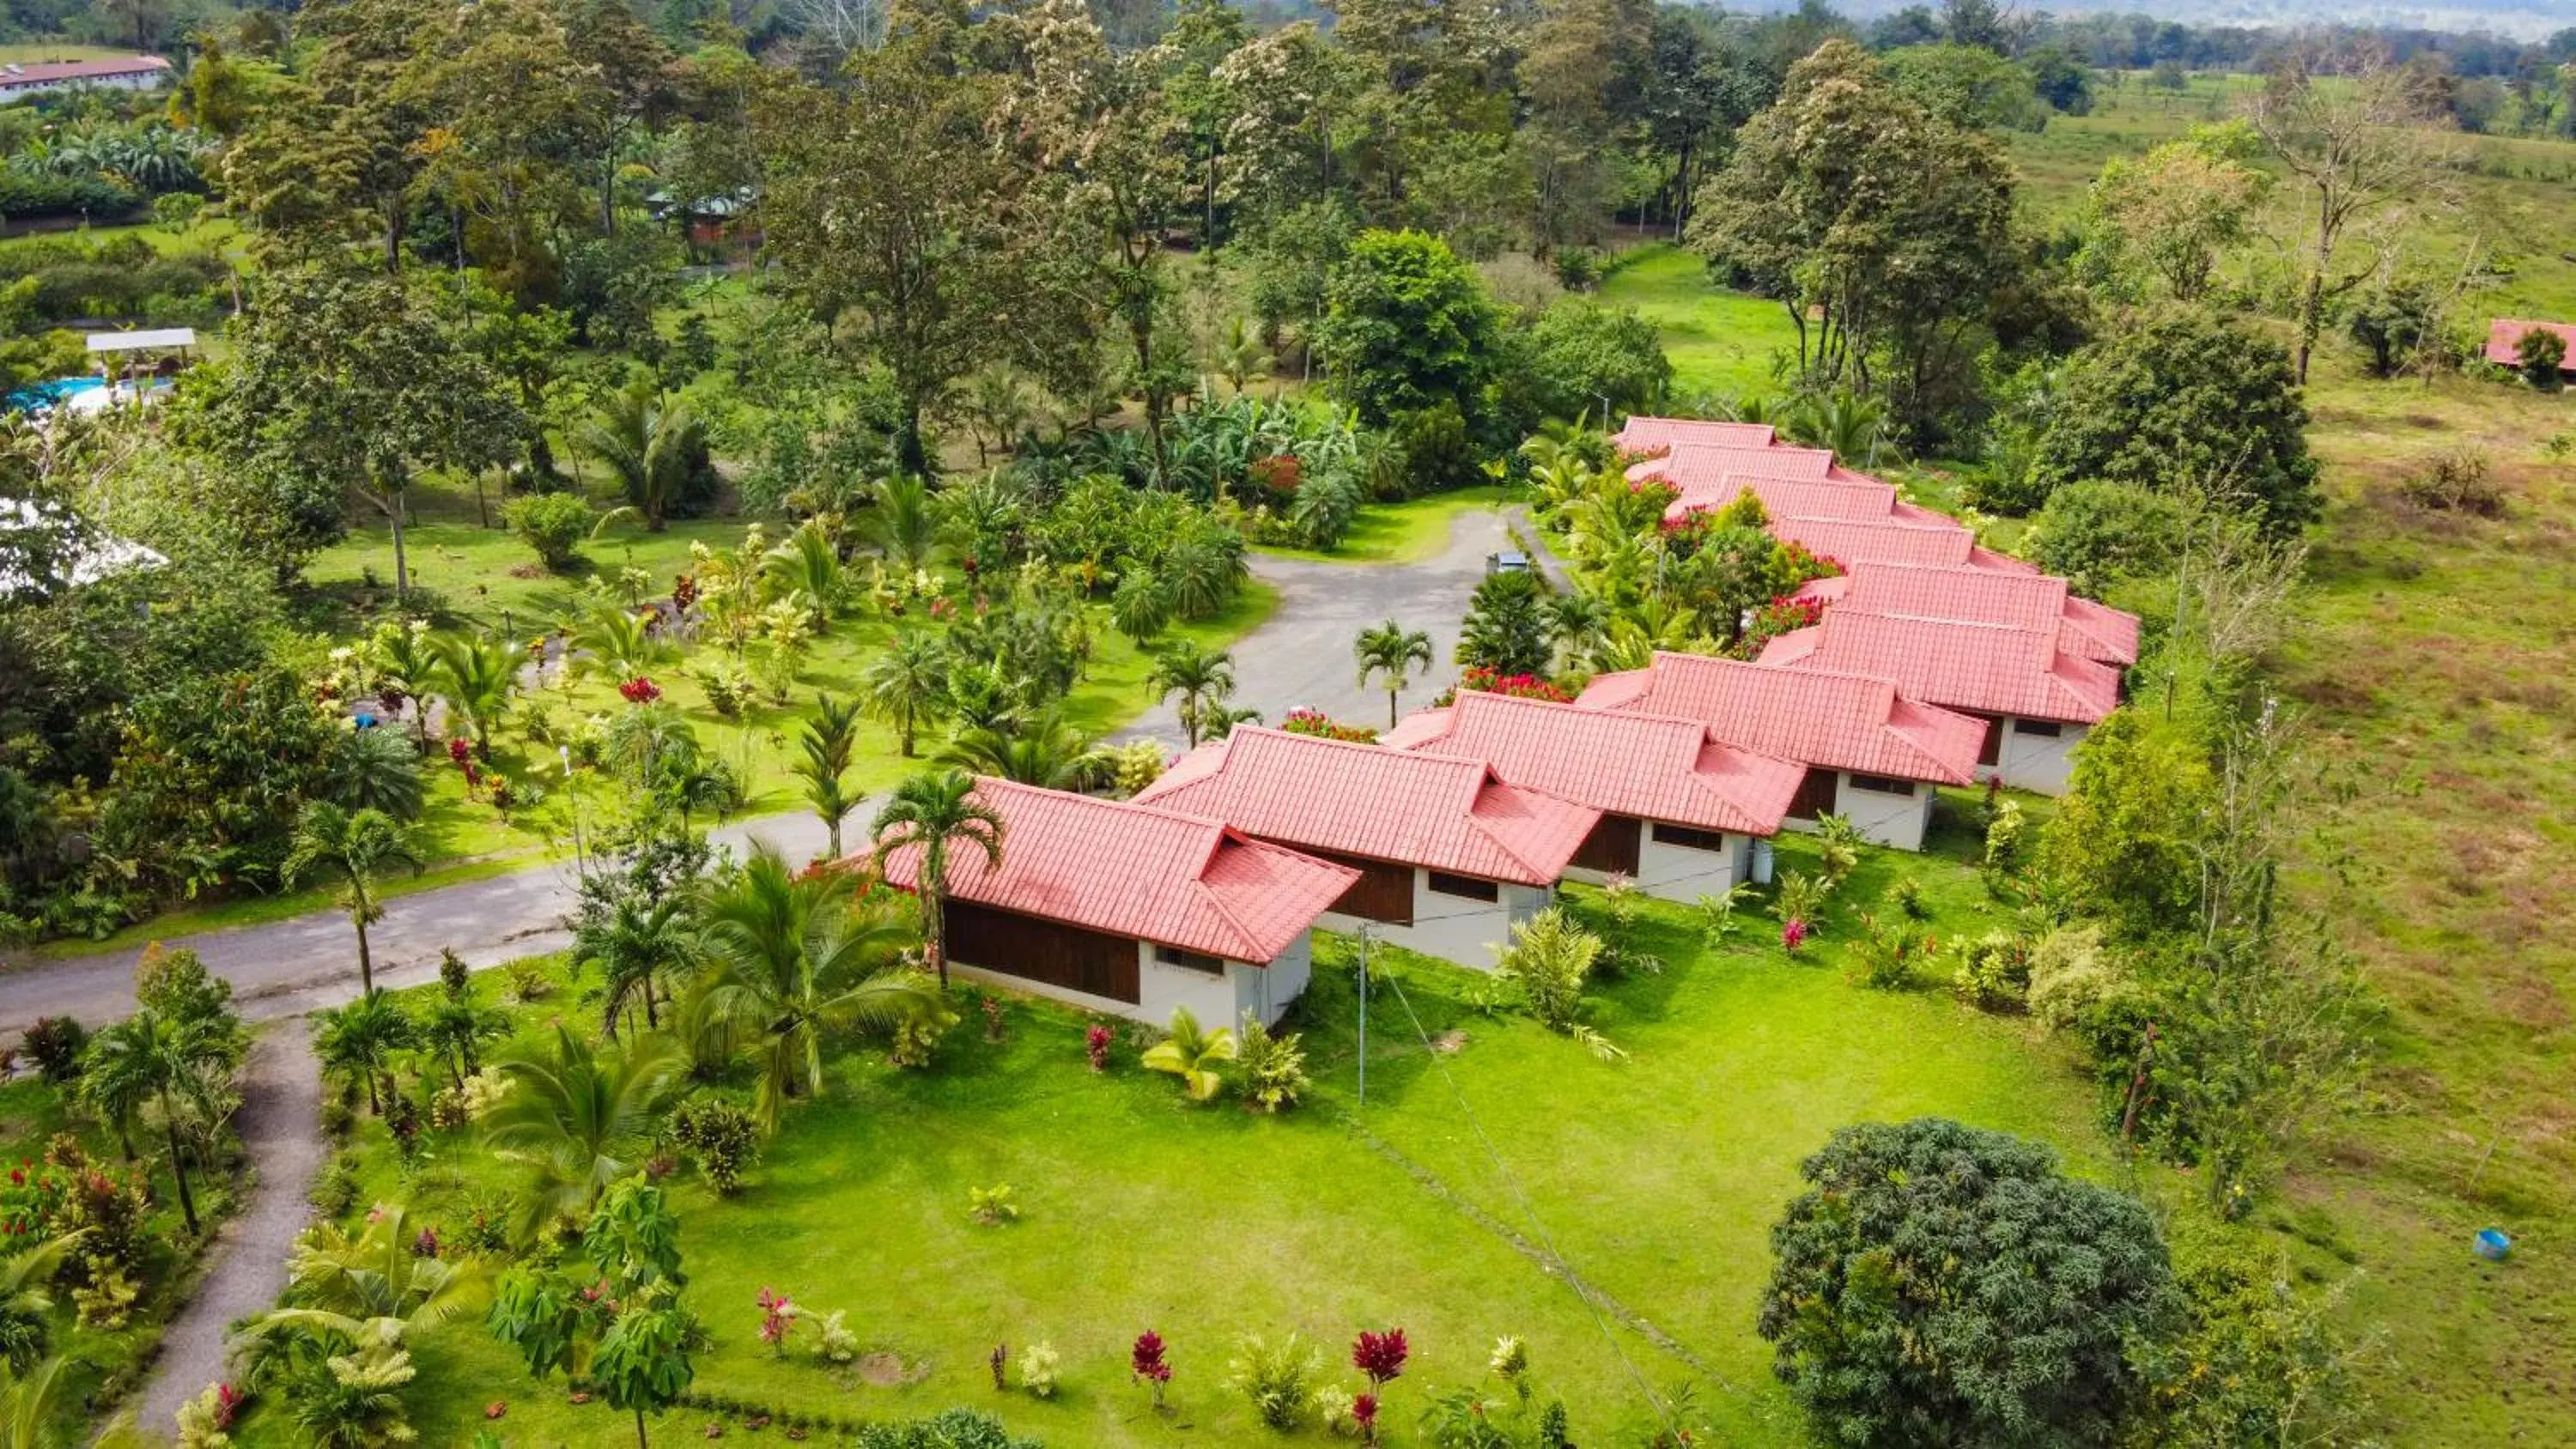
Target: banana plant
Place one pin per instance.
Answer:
(1193, 1054)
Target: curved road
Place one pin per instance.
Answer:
(1301, 655)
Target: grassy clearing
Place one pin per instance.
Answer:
(1656, 1178)
(1408, 532)
(214, 233)
(2436, 655)
(28, 52)
(1721, 343)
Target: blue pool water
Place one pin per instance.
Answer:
(48, 392)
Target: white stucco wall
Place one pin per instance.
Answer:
(2037, 762)
(1266, 991)
(1898, 821)
(1453, 928)
(1679, 872)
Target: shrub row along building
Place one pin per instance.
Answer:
(1937, 662)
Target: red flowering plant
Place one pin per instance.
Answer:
(1364, 1414)
(1380, 1356)
(1484, 679)
(1309, 721)
(1095, 1043)
(1145, 1363)
(684, 592)
(1782, 615)
(1793, 934)
(640, 690)
(228, 1405)
(777, 1318)
(32, 1198)
(1279, 474)
(461, 751)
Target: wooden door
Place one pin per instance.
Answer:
(1992, 750)
(1092, 962)
(1613, 845)
(1384, 891)
(1815, 795)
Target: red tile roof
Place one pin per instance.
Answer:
(2504, 335)
(1852, 497)
(48, 72)
(1695, 465)
(1851, 541)
(1448, 813)
(1988, 668)
(1650, 766)
(1813, 716)
(1132, 870)
(1985, 596)
(1655, 435)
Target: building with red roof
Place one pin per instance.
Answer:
(124, 73)
(1697, 465)
(2504, 341)
(1680, 809)
(1984, 596)
(1451, 854)
(1131, 909)
(1650, 436)
(1868, 753)
(1852, 541)
(1855, 498)
(2039, 697)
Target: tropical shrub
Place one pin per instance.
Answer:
(1194, 1055)
(1716, 914)
(1800, 903)
(552, 524)
(1994, 970)
(54, 1044)
(1278, 1378)
(2539, 354)
(2458, 481)
(1273, 1066)
(1486, 680)
(1039, 1363)
(992, 1206)
(1889, 952)
(723, 1138)
(1543, 972)
(2071, 973)
(1305, 720)
(2095, 534)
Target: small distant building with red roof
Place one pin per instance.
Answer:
(1650, 436)
(2504, 342)
(1867, 752)
(1858, 499)
(2039, 698)
(1984, 596)
(1680, 809)
(1130, 909)
(1450, 852)
(123, 73)
(1690, 465)
(1854, 541)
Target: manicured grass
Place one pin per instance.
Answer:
(1655, 1178)
(219, 233)
(1721, 343)
(1406, 532)
(25, 52)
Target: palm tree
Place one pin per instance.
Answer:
(27, 1406)
(576, 1114)
(1192, 1054)
(633, 947)
(785, 958)
(1201, 677)
(904, 686)
(1046, 752)
(621, 642)
(822, 762)
(935, 811)
(1390, 652)
(355, 847)
(648, 441)
(359, 1041)
(376, 769)
(476, 676)
(808, 564)
(456, 1029)
(24, 1303)
(372, 1293)
(406, 671)
(167, 1061)
(903, 526)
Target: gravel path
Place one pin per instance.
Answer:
(281, 1128)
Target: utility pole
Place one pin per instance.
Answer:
(1364, 945)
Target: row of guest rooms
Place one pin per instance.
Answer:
(1935, 662)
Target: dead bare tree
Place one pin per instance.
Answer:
(840, 26)
(2361, 136)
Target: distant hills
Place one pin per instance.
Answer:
(2520, 19)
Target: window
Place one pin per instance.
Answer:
(1882, 784)
(1465, 885)
(1189, 960)
(1688, 838)
(2048, 729)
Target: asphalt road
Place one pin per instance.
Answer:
(1300, 656)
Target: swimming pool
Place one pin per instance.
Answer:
(49, 392)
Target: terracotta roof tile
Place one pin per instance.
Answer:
(1134, 870)
(1987, 668)
(1650, 766)
(1656, 435)
(1696, 465)
(1445, 812)
(1850, 541)
(1985, 596)
(1815, 717)
(2504, 338)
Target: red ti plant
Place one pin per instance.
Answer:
(1364, 1414)
(1793, 934)
(1380, 1356)
(777, 1316)
(1145, 1361)
(1096, 1042)
(640, 690)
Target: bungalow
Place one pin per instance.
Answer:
(2038, 698)
(1984, 596)
(1122, 908)
(1855, 498)
(1699, 464)
(1650, 436)
(1680, 809)
(127, 73)
(1870, 754)
(1854, 541)
(2504, 343)
(1450, 855)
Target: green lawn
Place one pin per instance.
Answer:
(1721, 343)
(1656, 1178)
(1407, 532)
(217, 233)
